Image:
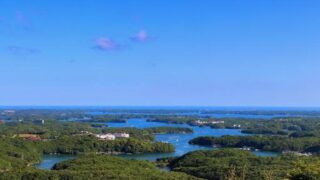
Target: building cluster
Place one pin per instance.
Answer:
(297, 153)
(236, 126)
(30, 137)
(112, 136)
(245, 148)
(38, 121)
(34, 121)
(201, 122)
(8, 112)
(106, 136)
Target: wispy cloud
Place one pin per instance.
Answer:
(106, 44)
(23, 20)
(141, 36)
(18, 50)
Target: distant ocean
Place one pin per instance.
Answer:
(196, 108)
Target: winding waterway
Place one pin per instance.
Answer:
(180, 141)
(48, 161)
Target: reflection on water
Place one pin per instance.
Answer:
(50, 160)
(265, 153)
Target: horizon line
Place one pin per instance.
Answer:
(163, 106)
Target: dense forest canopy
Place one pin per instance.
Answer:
(27, 135)
(228, 164)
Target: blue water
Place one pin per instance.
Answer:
(180, 141)
(50, 160)
(265, 153)
(198, 114)
(247, 116)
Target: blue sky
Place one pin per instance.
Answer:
(164, 52)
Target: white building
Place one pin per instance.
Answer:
(8, 112)
(106, 136)
(236, 126)
(200, 122)
(85, 132)
(297, 153)
(216, 122)
(121, 135)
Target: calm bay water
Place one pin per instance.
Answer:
(198, 114)
(49, 161)
(180, 141)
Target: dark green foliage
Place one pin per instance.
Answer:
(286, 126)
(266, 143)
(49, 130)
(61, 134)
(87, 144)
(234, 164)
(172, 119)
(303, 170)
(168, 130)
(293, 127)
(98, 167)
(17, 153)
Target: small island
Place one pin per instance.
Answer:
(306, 145)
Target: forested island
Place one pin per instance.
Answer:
(24, 142)
(237, 164)
(97, 167)
(27, 135)
(265, 143)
